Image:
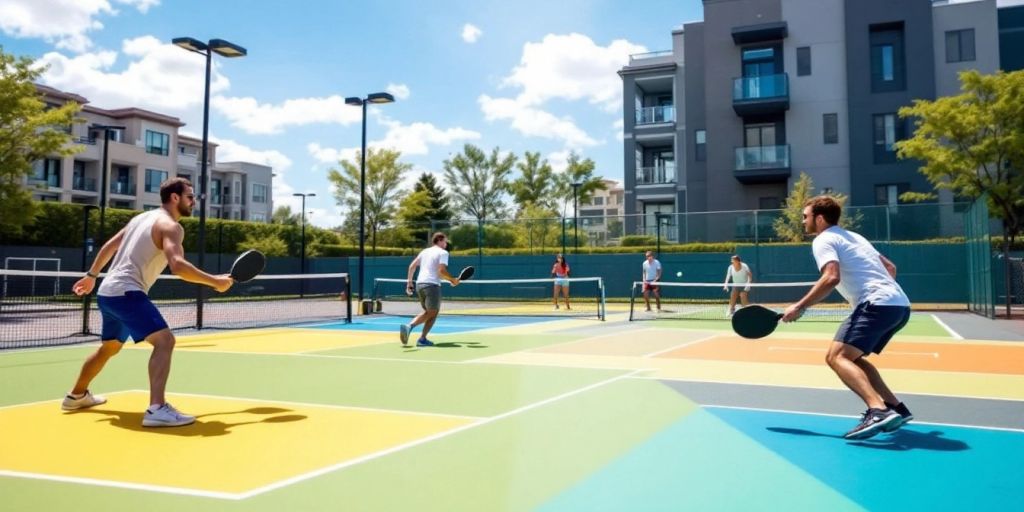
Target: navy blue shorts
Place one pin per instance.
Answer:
(130, 314)
(870, 327)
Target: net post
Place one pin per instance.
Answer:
(348, 299)
(632, 300)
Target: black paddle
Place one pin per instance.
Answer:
(466, 273)
(248, 266)
(755, 321)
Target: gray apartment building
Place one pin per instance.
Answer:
(144, 149)
(763, 90)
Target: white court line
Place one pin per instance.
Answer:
(948, 329)
(804, 349)
(686, 344)
(809, 413)
(122, 485)
(322, 356)
(440, 435)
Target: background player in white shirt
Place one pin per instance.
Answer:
(739, 273)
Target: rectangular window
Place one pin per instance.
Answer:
(888, 129)
(259, 193)
(154, 179)
(888, 65)
(259, 217)
(158, 143)
(830, 128)
(960, 45)
(598, 201)
(700, 151)
(48, 170)
(803, 61)
(887, 72)
(889, 194)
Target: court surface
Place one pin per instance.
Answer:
(517, 413)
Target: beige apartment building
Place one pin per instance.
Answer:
(601, 216)
(144, 150)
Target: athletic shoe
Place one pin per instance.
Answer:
(423, 342)
(556, 306)
(872, 422)
(403, 334)
(905, 415)
(83, 402)
(166, 416)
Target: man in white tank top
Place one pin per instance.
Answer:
(150, 242)
(867, 280)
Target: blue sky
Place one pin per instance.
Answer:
(526, 75)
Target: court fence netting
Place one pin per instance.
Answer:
(500, 297)
(710, 301)
(39, 308)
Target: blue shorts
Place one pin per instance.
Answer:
(562, 281)
(130, 314)
(870, 327)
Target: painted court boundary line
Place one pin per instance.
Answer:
(948, 329)
(809, 413)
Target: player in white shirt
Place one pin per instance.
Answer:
(741, 277)
(433, 264)
(651, 276)
(867, 280)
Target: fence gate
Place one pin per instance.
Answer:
(980, 296)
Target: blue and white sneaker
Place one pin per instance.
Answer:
(423, 342)
(403, 334)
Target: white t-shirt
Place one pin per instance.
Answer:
(862, 277)
(430, 259)
(651, 269)
(741, 276)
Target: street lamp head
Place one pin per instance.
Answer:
(190, 44)
(380, 97)
(227, 49)
(354, 101)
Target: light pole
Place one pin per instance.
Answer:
(378, 98)
(224, 49)
(576, 216)
(657, 220)
(303, 256)
(105, 172)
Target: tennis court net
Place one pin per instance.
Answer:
(39, 308)
(504, 297)
(710, 301)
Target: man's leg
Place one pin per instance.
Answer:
(732, 300)
(431, 315)
(647, 297)
(657, 298)
(876, 381)
(94, 364)
(841, 358)
(159, 364)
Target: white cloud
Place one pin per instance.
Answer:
(618, 126)
(231, 151)
(572, 67)
(331, 155)
(409, 139)
(534, 122)
(321, 217)
(470, 33)
(399, 91)
(252, 116)
(65, 23)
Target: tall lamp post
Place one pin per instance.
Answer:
(657, 220)
(224, 49)
(576, 216)
(105, 172)
(377, 98)
(303, 256)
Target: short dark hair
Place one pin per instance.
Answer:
(173, 186)
(437, 237)
(827, 207)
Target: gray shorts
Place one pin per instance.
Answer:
(430, 295)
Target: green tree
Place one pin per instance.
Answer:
(577, 171)
(535, 182)
(271, 245)
(973, 144)
(29, 131)
(283, 215)
(538, 227)
(478, 182)
(383, 179)
(790, 225)
(428, 202)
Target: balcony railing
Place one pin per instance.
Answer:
(767, 87)
(83, 183)
(52, 180)
(656, 175)
(86, 140)
(124, 188)
(762, 157)
(651, 115)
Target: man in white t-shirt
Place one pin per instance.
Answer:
(741, 277)
(433, 264)
(651, 276)
(867, 280)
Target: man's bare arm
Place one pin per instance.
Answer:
(172, 235)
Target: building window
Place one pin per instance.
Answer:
(158, 143)
(889, 194)
(887, 61)
(259, 217)
(888, 129)
(769, 203)
(960, 45)
(830, 128)
(48, 171)
(154, 179)
(598, 201)
(803, 61)
(259, 193)
(700, 139)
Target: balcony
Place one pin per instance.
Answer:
(83, 183)
(124, 188)
(762, 164)
(654, 115)
(761, 32)
(658, 175)
(651, 58)
(756, 95)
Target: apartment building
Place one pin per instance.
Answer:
(760, 91)
(601, 216)
(144, 149)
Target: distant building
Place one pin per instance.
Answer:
(601, 217)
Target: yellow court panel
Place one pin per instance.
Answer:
(277, 341)
(235, 445)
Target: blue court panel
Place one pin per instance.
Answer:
(451, 324)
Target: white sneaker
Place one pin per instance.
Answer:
(166, 416)
(403, 334)
(85, 401)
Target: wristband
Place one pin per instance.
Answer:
(94, 276)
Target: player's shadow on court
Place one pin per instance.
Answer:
(203, 427)
(450, 344)
(901, 440)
